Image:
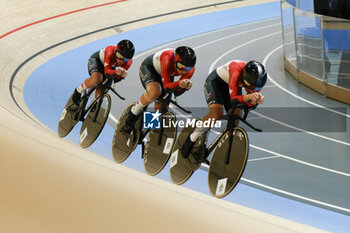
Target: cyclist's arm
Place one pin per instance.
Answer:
(165, 65)
(233, 86)
(108, 68)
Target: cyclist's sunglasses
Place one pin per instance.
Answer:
(182, 67)
(250, 87)
(120, 57)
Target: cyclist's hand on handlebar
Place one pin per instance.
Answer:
(189, 85)
(120, 71)
(185, 84)
(253, 97)
(261, 99)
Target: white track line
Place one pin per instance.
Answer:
(113, 118)
(264, 158)
(254, 118)
(300, 161)
(269, 86)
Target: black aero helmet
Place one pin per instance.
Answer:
(126, 48)
(255, 74)
(185, 55)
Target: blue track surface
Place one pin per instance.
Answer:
(48, 88)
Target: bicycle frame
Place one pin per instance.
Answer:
(229, 127)
(105, 86)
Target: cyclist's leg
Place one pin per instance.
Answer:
(215, 113)
(151, 94)
(153, 91)
(96, 69)
(151, 81)
(96, 78)
(214, 90)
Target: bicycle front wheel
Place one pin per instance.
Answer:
(223, 176)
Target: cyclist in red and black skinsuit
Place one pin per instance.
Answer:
(110, 62)
(223, 87)
(157, 74)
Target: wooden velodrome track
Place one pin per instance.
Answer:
(48, 184)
